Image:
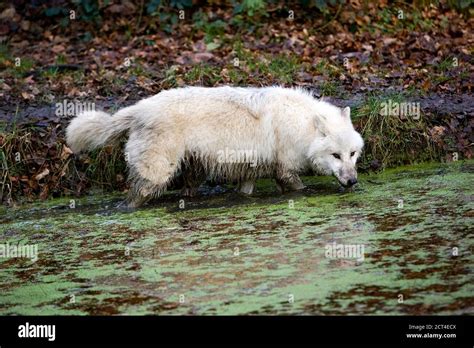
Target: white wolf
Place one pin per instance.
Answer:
(230, 133)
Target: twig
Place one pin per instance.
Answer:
(333, 18)
(140, 16)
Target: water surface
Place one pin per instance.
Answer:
(224, 253)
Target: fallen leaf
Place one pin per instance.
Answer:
(42, 174)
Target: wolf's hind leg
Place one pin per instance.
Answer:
(153, 163)
(142, 190)
(193, 178)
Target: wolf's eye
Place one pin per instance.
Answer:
(336, 155)
(353, 153)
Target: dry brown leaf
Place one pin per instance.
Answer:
(42, 174)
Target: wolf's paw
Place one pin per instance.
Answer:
(289, 187)
(298, 186)
(124, 206)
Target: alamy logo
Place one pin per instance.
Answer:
(33, 331)
(392, 108)
(237, 156)
(29, 251)
(345, 251)
(69, 108)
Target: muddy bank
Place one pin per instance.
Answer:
(222, 253)
(44, 114)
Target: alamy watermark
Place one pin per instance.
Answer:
(70, 108)
(403, 109)
(237, 156)
(29, 251)
(345, 251)
(37, 331)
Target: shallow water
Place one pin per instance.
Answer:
(224, 253)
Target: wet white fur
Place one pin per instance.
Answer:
(288, 130)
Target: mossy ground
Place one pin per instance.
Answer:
(223, 253)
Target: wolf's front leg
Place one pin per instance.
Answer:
(287, 181)
(135, 200)
(247, 187)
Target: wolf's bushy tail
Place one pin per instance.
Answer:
(93, 129)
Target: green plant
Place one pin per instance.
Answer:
(212, 29)
(391, 139)
(55, 11)
(329, 88)
(61, 59)
(89, 10)
(13, 66)
(203, 74)
(283, 68)
(153, 6)
(446, 64)
(250, 7)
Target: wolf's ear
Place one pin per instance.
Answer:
(320, 124)
(346, 113)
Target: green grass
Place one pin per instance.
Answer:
(14, 66)
(137, 68)
(203, 74)
(446, 64)
(388, 20)
(61, 59)
(237, 76)
(391, 139)
(328, 69)
(330, 89)
(278, 69)
(239, 49)
(170, 77)
(283, 68)
(265, 68)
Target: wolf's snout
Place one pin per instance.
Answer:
(347, 177)
(351, 182)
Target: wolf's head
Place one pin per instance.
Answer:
(337, 145)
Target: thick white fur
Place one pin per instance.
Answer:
(189, 128)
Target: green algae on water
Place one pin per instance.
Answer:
(224, 253)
